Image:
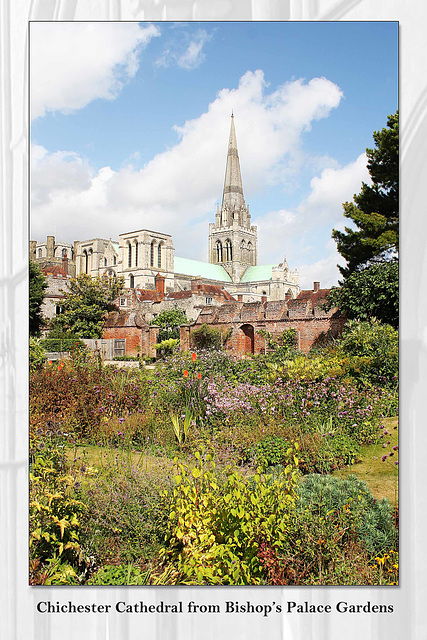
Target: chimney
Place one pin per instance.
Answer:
(316, 286)
(160, 286)
(196, 284)
(65, 265)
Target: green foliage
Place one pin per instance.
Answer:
(37, 354)
(372, 292)
(55, 510)
(375, 211)
(129, 575)
(282, 346)
(206, 337)
(86, 303)
(271, 451)
(166, 346)
(378, 344)
(62, 344)
(372, 519)
(169, 322)
(37, 288)
(215, 529)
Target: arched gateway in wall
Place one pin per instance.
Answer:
(248, 338)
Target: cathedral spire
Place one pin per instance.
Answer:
(233, 190)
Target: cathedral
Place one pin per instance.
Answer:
(140, 256)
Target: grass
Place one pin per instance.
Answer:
(381, 477)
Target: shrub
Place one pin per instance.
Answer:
(120, 575)
(373, 519)
(37, 354)
(215, 529)
(378, 343)
(207, 337)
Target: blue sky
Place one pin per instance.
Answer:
(130, 126)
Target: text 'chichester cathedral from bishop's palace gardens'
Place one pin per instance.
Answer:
(140, 256)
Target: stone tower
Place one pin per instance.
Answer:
(232, 239)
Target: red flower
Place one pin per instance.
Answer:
(199, 375)
(193, 357)
(185, 374)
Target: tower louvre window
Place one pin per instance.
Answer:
(152, 254)
(159, 256)
(129, 254)
(136, 254)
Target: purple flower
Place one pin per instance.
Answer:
(384, 458)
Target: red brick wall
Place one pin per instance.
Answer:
(131, 334)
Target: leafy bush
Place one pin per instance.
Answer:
(215, 529)
(169, 322)
(37, 354)
(207, 337)
(55, 510)
(373, 519)
(271, 451)
(378, 343)
(62, 344)
(120, 575)
(166, 346)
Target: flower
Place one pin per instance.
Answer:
(384, 458)
(199, 375)
(193, 356)
(185, 374)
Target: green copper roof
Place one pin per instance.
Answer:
(203, 269)
(257, 274)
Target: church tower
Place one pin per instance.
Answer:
(232, 239)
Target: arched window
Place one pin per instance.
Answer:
(86, 261)
(131, 281)
(129, 254)
(39, 253)
(243, 252)
(159, 256)
(250, 253)
(228, 251)
(152, 253)
(64, 253)
(114, 260)
(105, 262)
(218, 251)
(89, 261)
(136, 253)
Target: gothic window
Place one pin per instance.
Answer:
(250, 253)
(64, 253)
(243, 252)
(131, 281)
(159, 256)
(40, 253)
(136, 253)
(85, 257)
(105, 262)
(218, 251)
(228, 251)
(129, 254)
(114, 260)
(89, 261)
(152, 253)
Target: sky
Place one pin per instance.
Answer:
(130, 124)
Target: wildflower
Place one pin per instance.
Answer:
(199, 375)
(185, 374)
(194, 357)
(396, 448)
(121, 420)
(384, 458)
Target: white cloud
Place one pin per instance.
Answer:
(176, 191)
(185, 51)
(73, 63)
(316, 215)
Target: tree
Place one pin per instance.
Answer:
(375, 211)
(372, 292)
(86, 304)
(37, 288)
(169, 322)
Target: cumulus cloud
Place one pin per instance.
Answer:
(176, 191)
(314, 217)
(185, 51)
(73, 63)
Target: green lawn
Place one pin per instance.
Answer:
(381, 477)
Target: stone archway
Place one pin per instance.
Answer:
(248, 338)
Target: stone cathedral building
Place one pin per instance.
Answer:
(140, 256)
